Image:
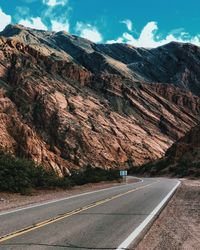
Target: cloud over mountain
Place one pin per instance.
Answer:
(89, 32)
(148, 37)
(5, 19)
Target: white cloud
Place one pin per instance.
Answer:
(147, 35)
(89, 32)
(59, 18)
(128, 24)
(59, 26)
(149, 39)
(5, 20)
(34, 23)
(53, 3)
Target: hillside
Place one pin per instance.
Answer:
(181, 159)
(187, 147)
(66, 102)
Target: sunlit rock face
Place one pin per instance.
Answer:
(66, 102)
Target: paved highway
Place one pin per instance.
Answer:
(104, 219)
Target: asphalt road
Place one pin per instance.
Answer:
(96, 220)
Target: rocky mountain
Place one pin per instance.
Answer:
(66, 102)
(181, 159)
(186, 148)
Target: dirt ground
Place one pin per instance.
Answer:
(13, 200)
(178, 226)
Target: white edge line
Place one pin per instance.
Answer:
(66, 198)
(148, 219)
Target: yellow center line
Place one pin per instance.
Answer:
(65, 215)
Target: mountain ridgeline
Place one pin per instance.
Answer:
(66, 102)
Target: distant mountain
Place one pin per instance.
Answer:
(66, 102)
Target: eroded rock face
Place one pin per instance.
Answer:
(65, 103)
(186, 148)
(182, 159)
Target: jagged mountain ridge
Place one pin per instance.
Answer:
(174, 63)
(66, 102)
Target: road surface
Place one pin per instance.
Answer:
(104, 219)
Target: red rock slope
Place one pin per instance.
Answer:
(65, 103)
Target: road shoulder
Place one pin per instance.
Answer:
(178, 226)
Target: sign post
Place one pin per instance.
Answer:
(123, 173)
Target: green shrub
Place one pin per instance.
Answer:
(27, 191)
(94, 175)
(22, 175)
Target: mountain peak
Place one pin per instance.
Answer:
(138, 64)
(20, 27)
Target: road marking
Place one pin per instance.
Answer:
(67, 214)
(130, 239)
(67, 198)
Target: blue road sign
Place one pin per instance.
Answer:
(123, 173)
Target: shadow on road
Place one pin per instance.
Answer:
(69, 246)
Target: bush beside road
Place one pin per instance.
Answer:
(23, 176)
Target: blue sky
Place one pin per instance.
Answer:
(146, 23)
